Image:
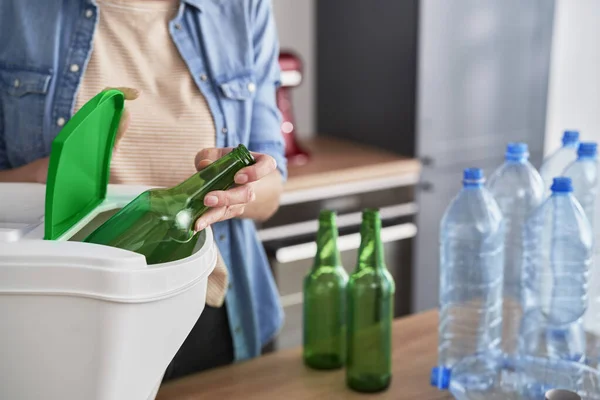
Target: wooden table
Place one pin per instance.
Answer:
(334, 161)
(282, 375)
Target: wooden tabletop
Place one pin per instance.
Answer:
(282, 375)
(334, 161)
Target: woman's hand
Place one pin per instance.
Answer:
(257, 188)
(130, 94)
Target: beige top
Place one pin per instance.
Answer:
(170, 121)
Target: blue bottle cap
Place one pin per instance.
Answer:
(570, 137)
(440, 377)
(561, 184)
(587, 149)
(517, 151)
(473, 177)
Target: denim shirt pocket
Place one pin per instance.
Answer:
(23, 99)
(238, 95)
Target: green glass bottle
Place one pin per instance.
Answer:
(159, 223)
(325, 300)
(370, 313)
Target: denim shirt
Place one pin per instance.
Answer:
(231, 50)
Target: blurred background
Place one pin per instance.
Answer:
(385, 102)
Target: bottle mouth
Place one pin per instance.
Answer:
(570, 137)
(473, 177)
(516, 152)
(327, 216)
(562, 184)
(370, 214)
(587, 150)
(244, 155)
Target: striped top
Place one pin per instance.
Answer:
(170, 120)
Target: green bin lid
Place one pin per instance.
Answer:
(79, 166)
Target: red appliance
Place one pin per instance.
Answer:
(291, 76)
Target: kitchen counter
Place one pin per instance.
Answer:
(282, 375)
(339, 166)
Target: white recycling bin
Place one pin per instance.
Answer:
(82, 321)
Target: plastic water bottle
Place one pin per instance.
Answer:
(518, 189)
(584, 175)
(554, 164)
(557, 256)
(471, 275)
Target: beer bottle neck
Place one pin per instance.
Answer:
(217, 176)
(370, 253)
(327, 250)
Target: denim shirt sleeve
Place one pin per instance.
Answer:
(265, 128)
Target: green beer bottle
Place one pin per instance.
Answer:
(324, 301)
(370, 313)
(159, 223)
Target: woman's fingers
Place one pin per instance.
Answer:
(214, 215)
(223, 198)
(265, 164)
(123, 126)
(129, 94)
(211, 154)
(203, 164)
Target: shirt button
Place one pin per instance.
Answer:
(238, 329)
(177, 26)
(251, 87)
(230, 286)
(203, 77)
(74, 68)
(89, 13)
(17, 83)
(221, 237)
(224, 130)
(61, 121)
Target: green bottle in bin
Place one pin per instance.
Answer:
(370, 312)
(159, 223)
(324, 301)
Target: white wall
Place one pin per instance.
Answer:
(296, 26)
(574, 90)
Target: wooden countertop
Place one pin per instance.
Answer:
(333, 162)
(282, 375)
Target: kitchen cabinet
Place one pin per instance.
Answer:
(450, 83)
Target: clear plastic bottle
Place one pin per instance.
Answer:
(557, 256)
(584, 175)
(554, 164)
(471, 275)
(518, 189)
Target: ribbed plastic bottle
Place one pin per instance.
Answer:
(557, 256)
(584, 175)
(554, 164)
(518, 189)
(471, 276)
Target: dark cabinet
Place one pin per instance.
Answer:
(447, 82)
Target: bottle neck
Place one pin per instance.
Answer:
(219, 175)
(370, 253)
(328, 254)
(570, 145)
(515, 160)
(587, 158)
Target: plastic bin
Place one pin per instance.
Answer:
(80, 320)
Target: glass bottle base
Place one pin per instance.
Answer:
(369, 383)
(324, 361)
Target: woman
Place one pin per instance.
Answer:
(205, 74)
